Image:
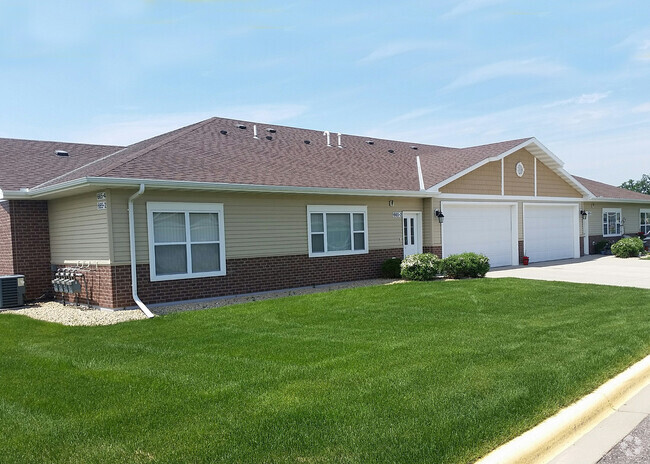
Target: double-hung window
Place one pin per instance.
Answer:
(645, 221)
(186, 240)
(611, 222)
(337, 230)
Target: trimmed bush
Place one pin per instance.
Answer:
(627, 247)
(390, 268)
(423, 266)
(465, 265)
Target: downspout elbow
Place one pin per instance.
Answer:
(134, 271)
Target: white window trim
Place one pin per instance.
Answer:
(646, 211)
(620, 223)
(337, 209)
(178, 207)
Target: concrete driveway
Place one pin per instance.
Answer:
(593, 269)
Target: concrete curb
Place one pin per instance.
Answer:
(546, 440)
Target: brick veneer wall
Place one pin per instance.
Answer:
(110, 286)
(25, 245)
(436, 250)
(6, 245)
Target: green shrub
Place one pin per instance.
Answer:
(627, 247)
(465, 265)
(390, 268)
(600, 246)
(424, 266)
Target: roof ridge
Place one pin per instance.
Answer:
(189, 128)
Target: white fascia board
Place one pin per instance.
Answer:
(616, 200)
(105, 182)
(506, 198)
(436, 187)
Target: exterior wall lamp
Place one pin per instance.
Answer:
(583, 213)
(440, 216)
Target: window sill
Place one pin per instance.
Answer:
(613, 235)
(337, 253)
(153, 278)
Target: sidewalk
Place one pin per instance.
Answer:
(621, 438)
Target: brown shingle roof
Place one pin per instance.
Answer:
(609, 191)
(28, 163)
(202, 153)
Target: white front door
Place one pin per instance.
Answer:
(411, 234)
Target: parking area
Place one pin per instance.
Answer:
(593, 269)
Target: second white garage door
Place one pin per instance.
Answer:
(486, 228)
(551, 232)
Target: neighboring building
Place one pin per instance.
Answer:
(226, 207)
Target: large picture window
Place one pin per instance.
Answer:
(186, 240)
(337, 230)
(611, 222)
(645, 221)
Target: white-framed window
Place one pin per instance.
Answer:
(611, 222)
(337, 230)
(186, 240)
(645, 220)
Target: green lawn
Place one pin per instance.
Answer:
(437, 372)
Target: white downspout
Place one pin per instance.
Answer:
(134, 272)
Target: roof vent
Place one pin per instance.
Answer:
(61, 153)
(307, 142)
(413, 147)
(268, 137)
(241, 126)
(370, 142)
(391, 151)
(223, 132)
(270, 130)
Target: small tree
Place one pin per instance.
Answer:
(641, 186)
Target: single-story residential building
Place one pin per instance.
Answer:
(227, 207)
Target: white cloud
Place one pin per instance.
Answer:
(469, 6)
(509, 68)
(584, 99)
(117, 130)
(642, 108)
(398, 48)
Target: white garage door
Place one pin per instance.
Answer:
(483, 228)
(551, 232)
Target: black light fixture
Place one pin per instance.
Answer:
(583, 213)
(440, 216)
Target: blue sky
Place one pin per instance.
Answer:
(576, 75)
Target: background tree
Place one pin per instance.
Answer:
(641, 186)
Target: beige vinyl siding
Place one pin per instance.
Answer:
(630, 213)
(549, 184)
(512, 183)
(427, 222)
(485, 180)
(78, 230)
(259, 224)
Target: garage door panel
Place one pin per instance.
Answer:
(550, 232)
(479, 228)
